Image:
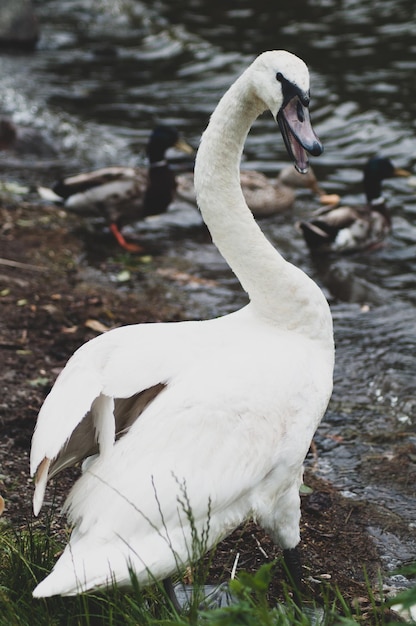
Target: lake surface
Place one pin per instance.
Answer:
(104, 73)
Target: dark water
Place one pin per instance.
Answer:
(106, 72)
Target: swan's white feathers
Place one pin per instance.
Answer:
(218, 413)
(244, 447)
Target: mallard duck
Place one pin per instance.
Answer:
(264, 196)
(122, 194)
(349, 228)
(195, 426)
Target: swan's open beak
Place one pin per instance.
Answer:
(299, 137)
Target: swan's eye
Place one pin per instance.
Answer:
(305, 99)
(279, 77)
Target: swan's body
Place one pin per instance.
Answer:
(264, 196)
(223, 410)
(122, 194)
(350, 228)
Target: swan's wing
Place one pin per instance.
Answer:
(83, 440)
(107, 382)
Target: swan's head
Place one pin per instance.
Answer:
(282, 82)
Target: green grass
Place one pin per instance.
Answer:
(27, 555)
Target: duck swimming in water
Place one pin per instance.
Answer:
(222, 410)
(122, 194)
(264, 196)
(350, 228)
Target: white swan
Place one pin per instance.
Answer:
(224, 409)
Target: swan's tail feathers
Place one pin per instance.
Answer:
(73, 575)
(86, 565)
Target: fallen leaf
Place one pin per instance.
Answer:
(123, 276)
(69, 330)
(305, 490)
(12, 187)
(41, 381)
(99, 327)
(185, 278)
(51, 309)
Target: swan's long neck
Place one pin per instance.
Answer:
(278, 291)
